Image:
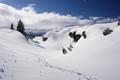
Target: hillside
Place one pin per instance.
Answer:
(72, 53)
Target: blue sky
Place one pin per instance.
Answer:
(101, 8)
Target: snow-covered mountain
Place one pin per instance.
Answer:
(72, 53)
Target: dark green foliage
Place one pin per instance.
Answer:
(12, 27)
(84, 34)
(107, 31)
(64, 51)
(44, 38)
(75, 36)
(20, 27)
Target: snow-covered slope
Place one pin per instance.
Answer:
(60, 38)
(23, 60)
(97, 55)
(90, 55)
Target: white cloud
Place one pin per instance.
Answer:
(30, 8)
(95, 18)
(32, 19)
(103, 20)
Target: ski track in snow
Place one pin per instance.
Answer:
(47, 65)
(69, 71)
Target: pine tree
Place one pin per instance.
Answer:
(20, 27)
(12, 27)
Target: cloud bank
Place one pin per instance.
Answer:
(32, 19)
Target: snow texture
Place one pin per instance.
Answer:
(95, 57)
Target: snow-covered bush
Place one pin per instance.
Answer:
(70, 47)
(44, 38)
(107, 31)
(75, 36)
(84, 34)
(64, 51)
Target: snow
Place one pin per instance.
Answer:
(93, 58)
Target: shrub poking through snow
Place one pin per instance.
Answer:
(107, 31)
(71, 34)
(12, 27)
(64, 51)
(71, 46)
(75, 36)
(44, 38)
(119, 22)
(70, 49)
(84, 34)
